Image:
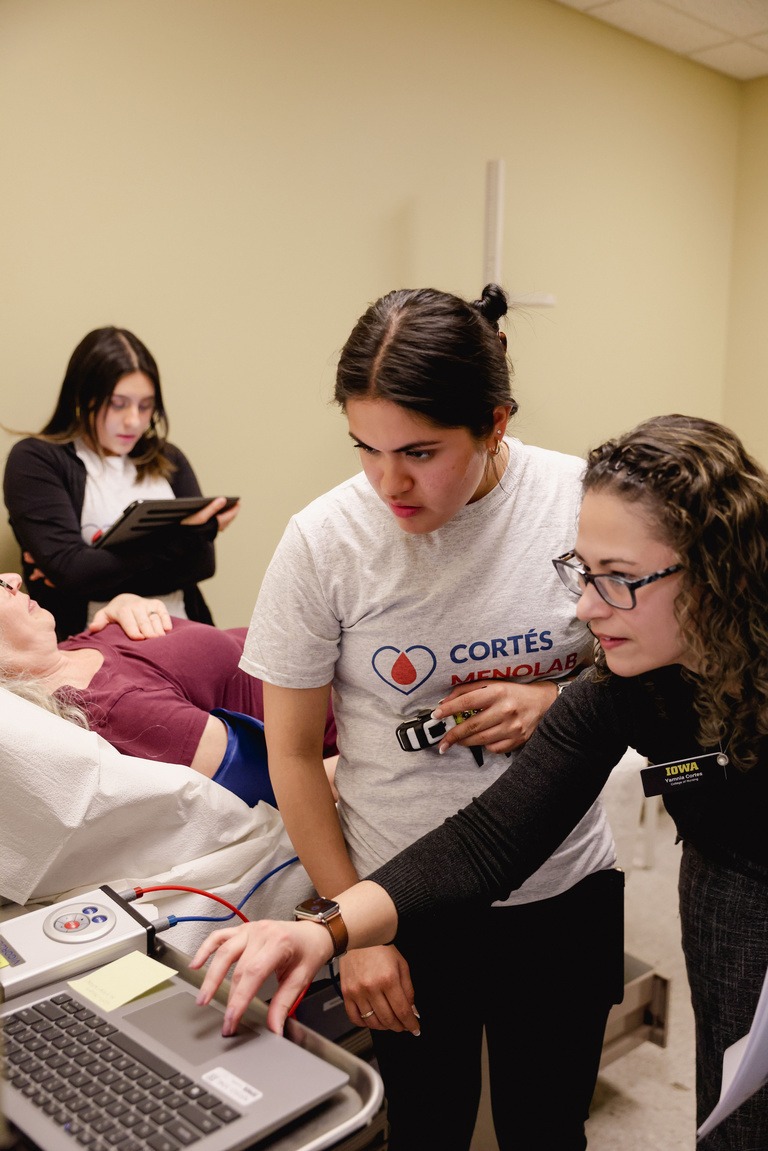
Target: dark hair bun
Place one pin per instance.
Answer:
(492, 305)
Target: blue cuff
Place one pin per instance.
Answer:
(244, 769)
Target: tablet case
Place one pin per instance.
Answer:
(144, 516)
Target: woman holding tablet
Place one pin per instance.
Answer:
(104, 447)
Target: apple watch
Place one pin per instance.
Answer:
(327, 912)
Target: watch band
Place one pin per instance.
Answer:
(328, 913)
(339, 934)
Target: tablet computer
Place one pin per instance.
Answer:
(144, 516)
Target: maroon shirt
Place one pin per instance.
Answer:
(151, 698)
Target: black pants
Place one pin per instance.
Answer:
(541, 979)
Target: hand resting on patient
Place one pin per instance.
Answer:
(144, 681)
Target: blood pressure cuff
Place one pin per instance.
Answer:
(244, 769)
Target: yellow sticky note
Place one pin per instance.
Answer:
(122, 980)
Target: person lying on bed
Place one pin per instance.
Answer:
(152, 686)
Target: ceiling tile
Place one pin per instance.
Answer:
(738, 17)
(740, 59)
(582, 5)
(730, 36)
(660, 24)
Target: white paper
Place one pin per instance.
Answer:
(745, 1067)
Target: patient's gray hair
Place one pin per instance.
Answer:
(31, 689)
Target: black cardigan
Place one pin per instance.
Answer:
(495, 843)
(44, 489)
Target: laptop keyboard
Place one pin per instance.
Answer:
(100, 1086)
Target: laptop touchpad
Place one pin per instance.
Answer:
(192, 1032)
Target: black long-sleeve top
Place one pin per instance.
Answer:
(44, 489)
(505, 834)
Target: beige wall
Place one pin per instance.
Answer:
(746, 387)
(235, 180)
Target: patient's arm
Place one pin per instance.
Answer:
(213, 744)
(139, 617)
(211, 748)
(144, 618)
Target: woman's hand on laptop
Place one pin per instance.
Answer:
(295, 952)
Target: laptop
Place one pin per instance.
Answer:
(153, 1075)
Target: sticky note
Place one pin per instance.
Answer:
(122, 980)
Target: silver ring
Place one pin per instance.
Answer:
(153, 613)
(368, 1014)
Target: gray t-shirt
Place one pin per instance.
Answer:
(393, 621)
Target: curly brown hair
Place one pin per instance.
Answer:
(708, 500)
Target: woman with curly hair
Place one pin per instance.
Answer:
(670, 567)
(104, 447)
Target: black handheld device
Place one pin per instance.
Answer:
(423, 731)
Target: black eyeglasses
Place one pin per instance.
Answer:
(8, 586)
(615, 590)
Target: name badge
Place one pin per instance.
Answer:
(664, 778)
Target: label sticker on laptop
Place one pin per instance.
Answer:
(228, 1084)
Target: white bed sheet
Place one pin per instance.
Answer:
(76, 814)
